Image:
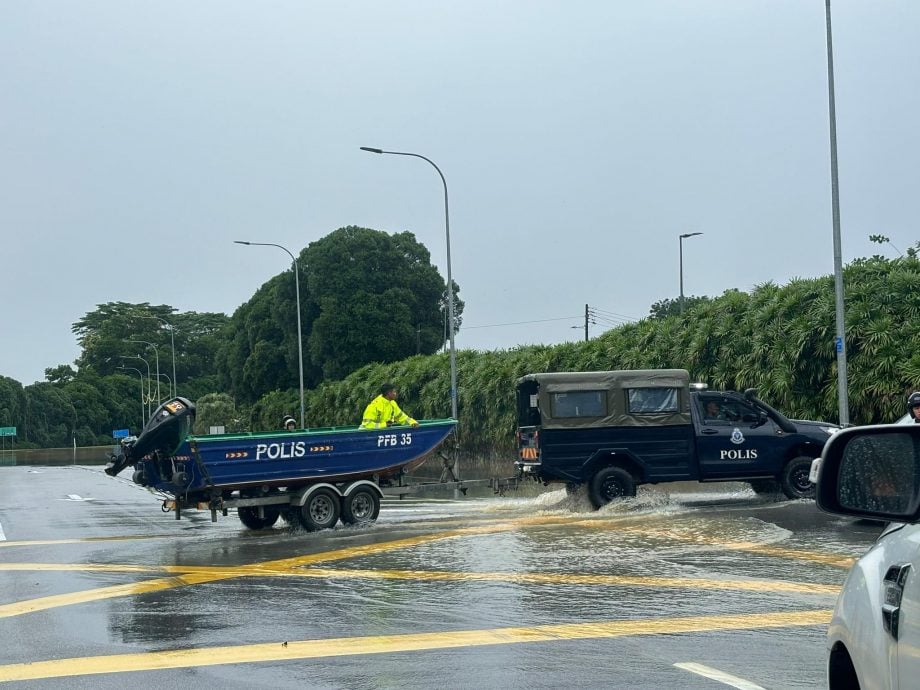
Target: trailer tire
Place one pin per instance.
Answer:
(361, 506)
(795, 481)
(249, 516)
(321, 510)
(610, 483)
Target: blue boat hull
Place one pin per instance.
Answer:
(230, 462)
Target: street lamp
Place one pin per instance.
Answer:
(682, 238)
(156, 352)
(172, 343)
(840, 341)
(450, 281)
(299, 336)
(149, 400)
(166, 376)
(141, 375)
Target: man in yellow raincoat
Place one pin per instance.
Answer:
(383, 410)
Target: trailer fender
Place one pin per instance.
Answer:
(349, 488)
(300, 498)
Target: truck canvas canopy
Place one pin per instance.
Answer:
(642, 397)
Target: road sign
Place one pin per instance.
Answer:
(7, 431)
(121, 433)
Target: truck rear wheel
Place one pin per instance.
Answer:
(610, 483)
(795, 480)
(765, 487)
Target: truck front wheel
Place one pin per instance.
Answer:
(795, 480)
(611, 483)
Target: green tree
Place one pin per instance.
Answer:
(216, 410)
(671, 307)
(110, 333)
(379, 299)
(366, 296)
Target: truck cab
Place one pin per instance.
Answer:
(615, 430)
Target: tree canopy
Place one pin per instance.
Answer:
(366, 296)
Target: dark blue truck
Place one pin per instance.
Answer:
(615, 430)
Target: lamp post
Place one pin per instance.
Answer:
(156, 352)
(299, 330)
(843, 404)
(141, 375)
(450, 281)
(682, 238)
(166, 376)
(172, 343)
(148, 398)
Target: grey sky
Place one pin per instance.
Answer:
(578, 139)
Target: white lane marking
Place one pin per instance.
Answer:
(2, 535)
(721, 676)
(76, 497)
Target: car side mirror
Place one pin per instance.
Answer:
(871, 472)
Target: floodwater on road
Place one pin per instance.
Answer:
(687, 584)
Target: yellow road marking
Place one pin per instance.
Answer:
(189, 575)
(388, 644)
(43, 603)
(571, 579)
(194, 576)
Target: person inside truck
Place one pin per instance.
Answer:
(714, 410)
(289, 423)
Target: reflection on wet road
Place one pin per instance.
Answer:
(677, 586)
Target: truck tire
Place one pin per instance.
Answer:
(610, 483)
(765, 487)
(795, 481)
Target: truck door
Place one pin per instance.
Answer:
(734, 438)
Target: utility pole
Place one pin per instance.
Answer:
(586, 323)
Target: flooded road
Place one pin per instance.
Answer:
(688, 585)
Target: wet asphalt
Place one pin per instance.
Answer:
(688, 585)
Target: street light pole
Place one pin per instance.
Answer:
(299, 329)
(172, 344)
(148, 381)
(450, 281)
(156, 352)
(682, 238)
(843, 404)
(141, 376)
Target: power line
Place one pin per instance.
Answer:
(519, 323)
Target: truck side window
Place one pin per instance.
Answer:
(652, 400)
(579, 404)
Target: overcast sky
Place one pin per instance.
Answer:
(578, 140)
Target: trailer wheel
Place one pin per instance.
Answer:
(610, 483)
(249, 516)
(290, 515)
(795, 480)
(361, 506)
(321, 511)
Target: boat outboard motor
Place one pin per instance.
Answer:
(165, 432)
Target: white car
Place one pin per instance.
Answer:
(873, 641)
